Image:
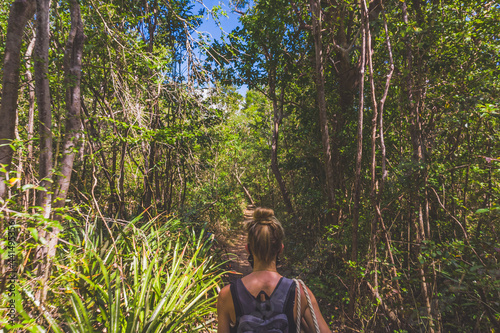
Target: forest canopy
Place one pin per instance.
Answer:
(127, 158)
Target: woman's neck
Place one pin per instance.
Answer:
(261, 266)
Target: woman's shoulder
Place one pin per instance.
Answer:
(225, 300)
(225, 310)
(225, 291)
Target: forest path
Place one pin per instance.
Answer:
(235, 252)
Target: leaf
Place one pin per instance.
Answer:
(13, 181)
(27, 187)
(34, 233)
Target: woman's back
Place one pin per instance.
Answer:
(270, 309)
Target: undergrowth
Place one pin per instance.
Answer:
(113, 276)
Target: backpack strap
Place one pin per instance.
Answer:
(236, 300)
(280, 295)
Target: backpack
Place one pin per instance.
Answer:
(262, 314)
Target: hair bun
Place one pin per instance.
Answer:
(265, 235)
(263, 215)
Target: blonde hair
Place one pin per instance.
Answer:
(265, 235)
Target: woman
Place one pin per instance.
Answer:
(265, 301)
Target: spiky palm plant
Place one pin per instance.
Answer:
(149, 278)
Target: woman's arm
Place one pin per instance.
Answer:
(309, 327)
(224, 307)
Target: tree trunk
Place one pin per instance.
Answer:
(28, 172)
(359, 152)
(278, 116)
(121, 181)
(96, 144)
(374, 195)
(148, 192)
(20, 12)
(72, 64)
(72, 67)
(418, 158)
(386, 234)
(359, 155)
(245, 190)
(42, 91)
(316, 14)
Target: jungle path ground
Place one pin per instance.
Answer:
(234, 249)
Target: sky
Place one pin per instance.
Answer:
(227, 23)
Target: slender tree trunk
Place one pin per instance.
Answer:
(376, 186)
(274, 146)
(357, 172)
(275, 167)
(42, 91)
(72, 67)
(96, 144)
(113, 201)
(245, 190)
(359, 152)
(72, 64)
(121, 181)
(43, 101)
(316, 14)
(375, 191)
(383, 156)
(20, 12)
(169, 175)
(150, 157)
(418, 158)
(28, 173)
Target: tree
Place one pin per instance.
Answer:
(42, 92)
(72, 68)
(20, 13)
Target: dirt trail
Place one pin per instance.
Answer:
(235, 251)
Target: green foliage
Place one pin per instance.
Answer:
(119, 276)
(151, 278)
(467, 278)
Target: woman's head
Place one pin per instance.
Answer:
(265, 235)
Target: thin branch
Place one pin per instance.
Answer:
(458, 222)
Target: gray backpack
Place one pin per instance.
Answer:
(263, 314)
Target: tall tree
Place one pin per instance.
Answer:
(20, 12)
(72, 68)
(42, 92)
(359, 152)
(317, 32)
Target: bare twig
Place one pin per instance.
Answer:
(458, 222)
